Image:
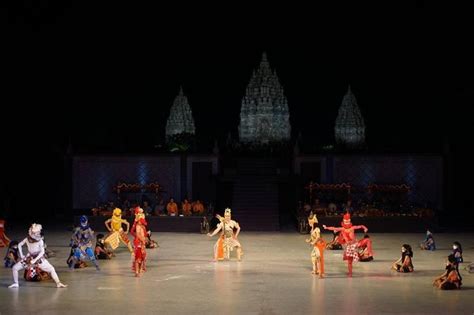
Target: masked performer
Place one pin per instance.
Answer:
(348, 239)
(228, 239)
(82, 244)
(139, 213)
(35, 245)
(117, 234)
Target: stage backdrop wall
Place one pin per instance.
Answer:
(424, 174)
(94, 176)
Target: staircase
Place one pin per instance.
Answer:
(255, 195)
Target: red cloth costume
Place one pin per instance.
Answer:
(347, 238)
(4, 240)
(139, 244)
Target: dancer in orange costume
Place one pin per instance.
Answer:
(228, 239)
(317, 254)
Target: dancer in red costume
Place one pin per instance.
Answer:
(348, 239)
(139, 265)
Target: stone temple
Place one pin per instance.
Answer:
(180, 120)
(264, 115)
(350, 127)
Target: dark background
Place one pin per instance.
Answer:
(98, 79)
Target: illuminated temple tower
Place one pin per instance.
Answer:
(350, 126)
(264, 116)
(180, 120)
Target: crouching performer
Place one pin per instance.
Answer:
(35, 255)
(228, 239)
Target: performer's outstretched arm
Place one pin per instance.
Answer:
(219, 227)
(332, 228)
(358, 227)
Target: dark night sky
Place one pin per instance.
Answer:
(114, 73)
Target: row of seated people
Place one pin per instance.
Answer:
(331, 209)
(186, 208)
(172, 208)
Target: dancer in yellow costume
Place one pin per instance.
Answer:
(117, 234)
(228, 239)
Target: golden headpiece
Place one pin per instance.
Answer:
(312, 219)
(117, 212)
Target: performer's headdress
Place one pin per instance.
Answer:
(84, 221)
(312, 219)
(139, 214)
(138, 210)
(346, 221)
(35, 231)
(117, 212)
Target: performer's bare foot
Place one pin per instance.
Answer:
(349, 275)
(60, 285)
(314, 272)
(137, 274)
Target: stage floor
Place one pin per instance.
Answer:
(273, 278)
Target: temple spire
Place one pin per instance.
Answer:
(180, 120)
(264, 115)
(350, 127)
